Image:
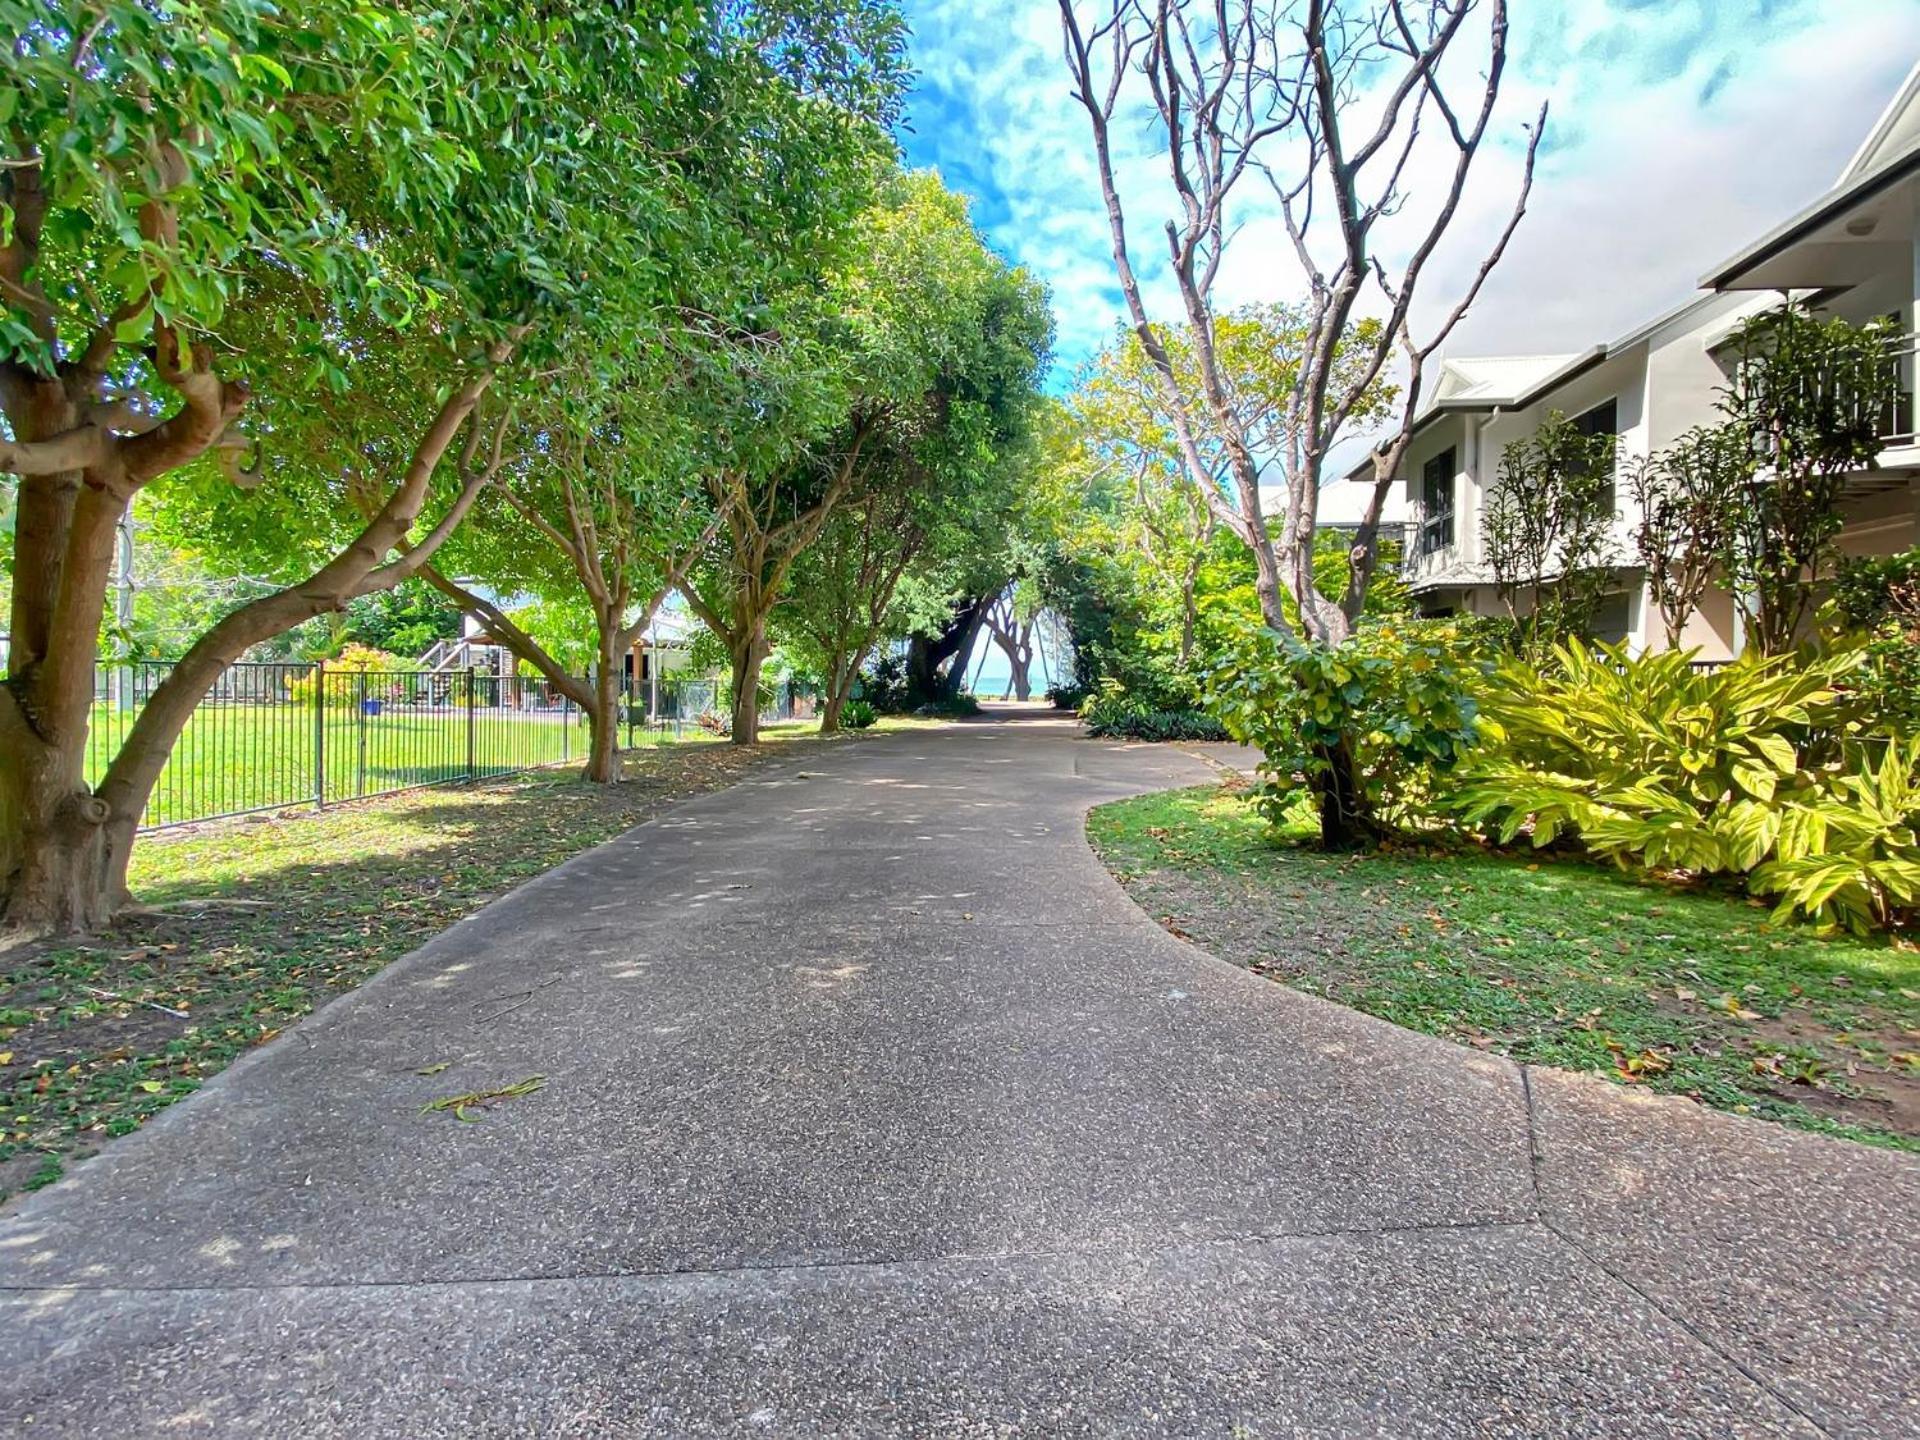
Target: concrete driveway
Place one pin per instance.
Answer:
(872, 1106)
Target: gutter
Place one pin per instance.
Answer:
(1771, 244)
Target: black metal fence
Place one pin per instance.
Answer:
(267, 736)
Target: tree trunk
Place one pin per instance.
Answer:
(840, 673)
(1346, 820)
(55, 851)
(1267, 586)
(948, 685)
(746, 659)
(603, 721)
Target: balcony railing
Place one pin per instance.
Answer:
(1898, 423)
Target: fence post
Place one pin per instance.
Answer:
(360, 734)
(566, 727)
(319, 734)
(472, 711)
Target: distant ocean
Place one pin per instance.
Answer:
(989, 665)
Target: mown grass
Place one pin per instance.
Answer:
(259, 922)
(1552, 962)
(233, 758)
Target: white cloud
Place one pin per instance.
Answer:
(1679, 132)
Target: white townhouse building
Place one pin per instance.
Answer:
(1342, 505)
(1854, 253)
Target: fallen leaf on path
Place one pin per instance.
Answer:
(433, 1069)
(482, 1099)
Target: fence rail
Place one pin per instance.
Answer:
(269, 736)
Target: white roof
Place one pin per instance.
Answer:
(1343, 502)
(1494, 378)
(673, 625)
(1894, 133)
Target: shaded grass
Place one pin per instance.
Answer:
(1552, 962)
(266, 920)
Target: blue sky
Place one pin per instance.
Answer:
(1680, 130)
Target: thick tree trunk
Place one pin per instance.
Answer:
(55, 847)
(57, 872)
(746, 659)
(603, 721)
(54, 852)
(839, 682)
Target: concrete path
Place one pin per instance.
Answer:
(874, 1107)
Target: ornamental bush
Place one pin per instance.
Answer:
(1399, 693)
(351, 661)
(1114, 714)
(1771, 769)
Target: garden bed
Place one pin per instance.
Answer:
(1551, 962)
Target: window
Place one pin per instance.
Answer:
(1613, 618)
(1436, 503)
(1602, 419)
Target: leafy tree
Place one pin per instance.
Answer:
(406, 620)
(603, 512)
(138, 212)
(924, 351)
(372, 217)
(1689, 497)
(1547, 529)
(846, 589)
(1809, 396)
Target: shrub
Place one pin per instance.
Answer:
(1068, 696)
(1398, 694)
(856, 715)
(957, 706)
(883, 684)
(353, 660)
(1850, 853)
(1113, 714)
(1879, 599)
(1760, 769)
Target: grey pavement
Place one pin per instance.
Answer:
(873, 1106)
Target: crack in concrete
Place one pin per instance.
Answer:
(1672, 1316)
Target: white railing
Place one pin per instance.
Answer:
(1899, 424)
(446, 656)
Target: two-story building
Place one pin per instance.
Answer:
(1854, 253)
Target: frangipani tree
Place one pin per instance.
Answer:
(1320, 105)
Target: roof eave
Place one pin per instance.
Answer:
(1822, 211)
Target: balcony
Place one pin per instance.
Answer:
(1898, 425)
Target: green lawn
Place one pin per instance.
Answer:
(1553, 963)
(234, 758)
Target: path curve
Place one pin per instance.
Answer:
(873, 1106)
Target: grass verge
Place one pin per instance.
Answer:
(1553, 963)
(257, 922)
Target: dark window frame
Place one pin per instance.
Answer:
(1437, 529)
(1604, 419)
